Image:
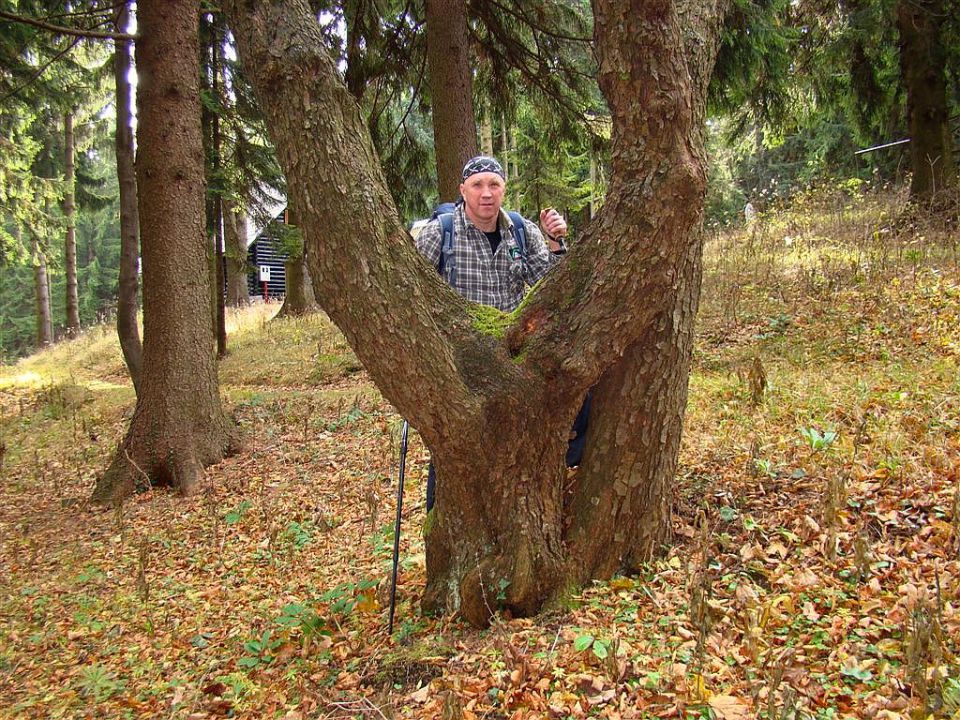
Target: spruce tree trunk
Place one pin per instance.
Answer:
(235, 244)
(495, 405)
(219, 279)
(451, 78)
(41, 289)
(129, 282)
(69, 217)
(922, 63)
(42, 295)
(486, 134)
(179, 426)
(219, 284)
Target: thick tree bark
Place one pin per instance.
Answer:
(179, 426)
(42, 295)
(69, 217)
(620, 512)
(129, 282)
(451, 87)
(235, 249)
(922, 64)
(495, 410)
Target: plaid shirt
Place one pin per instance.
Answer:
(497, 279)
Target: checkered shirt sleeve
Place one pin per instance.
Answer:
(497, 279)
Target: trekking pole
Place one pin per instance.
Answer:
(396, 526)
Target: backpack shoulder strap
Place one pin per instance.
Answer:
(447, 266)
(519, 232)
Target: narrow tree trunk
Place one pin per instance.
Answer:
(235, 249)
(219, 281)
(69, 217)
(486, 133)
(129, 283)
(923, 61)
(42, 294)
(451, 87)
(179, 426)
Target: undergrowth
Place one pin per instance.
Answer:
(814, 572)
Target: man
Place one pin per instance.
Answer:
(490, 268)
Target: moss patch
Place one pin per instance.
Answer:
(430, 521)
(490, 321)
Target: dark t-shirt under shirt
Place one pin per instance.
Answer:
(494, 237)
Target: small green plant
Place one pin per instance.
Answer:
(727, 513)
(502, 586)
(97, 683)
(352, 416)
(236, 515)
(345, 597)
(297, 535)
(818, 442)
(90, 574)
(951, 696)
(600, 648)
(259, 650)
(295, 616)
(766, 467)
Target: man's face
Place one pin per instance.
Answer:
(483, 195)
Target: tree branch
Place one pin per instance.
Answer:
(63, 30)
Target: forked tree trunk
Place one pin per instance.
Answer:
(495, 407)
(179, 426)
(235, 244)
(42, 295)
(69, 217)
(129, 282)
(923, 61)
(450, 76)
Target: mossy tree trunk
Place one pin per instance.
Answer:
(179, 426)
(494, 395)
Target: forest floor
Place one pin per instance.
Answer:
(814, 570)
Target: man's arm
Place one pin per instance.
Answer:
(429, 242)
(538, 256)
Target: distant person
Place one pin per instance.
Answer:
(490, 266)
(749, 213)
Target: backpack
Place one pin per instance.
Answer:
(447, 265)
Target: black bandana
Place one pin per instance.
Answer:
(480, 164)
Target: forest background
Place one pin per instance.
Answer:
(798, 90)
